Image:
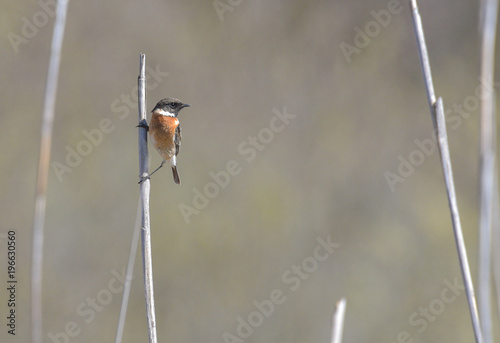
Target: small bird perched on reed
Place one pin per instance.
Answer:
(165, 132)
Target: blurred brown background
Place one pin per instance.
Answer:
(358, 117)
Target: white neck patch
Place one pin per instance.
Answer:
(165, 113)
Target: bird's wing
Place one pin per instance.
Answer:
(177, 139)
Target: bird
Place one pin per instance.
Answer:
(165, 133)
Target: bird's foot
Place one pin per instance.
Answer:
(144, 178)
(143, 125)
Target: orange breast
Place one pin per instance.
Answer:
(162, 131)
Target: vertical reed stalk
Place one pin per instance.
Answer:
(438, 118)
(43, 171)
(338, 321)
(487, 167)
(147, 260)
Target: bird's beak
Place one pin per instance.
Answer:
(186, 105)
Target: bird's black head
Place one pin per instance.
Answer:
(170, 105)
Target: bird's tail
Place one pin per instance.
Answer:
(176, 175)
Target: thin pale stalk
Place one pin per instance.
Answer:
(147, 259)
(455, 216)
(129, 277)
(422, 52)
(496, 244)
(338, 321)
(43, 171)
(489, 9)
(437, 114)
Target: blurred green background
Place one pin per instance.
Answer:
(359, 115)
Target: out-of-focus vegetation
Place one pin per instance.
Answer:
(354, 119)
